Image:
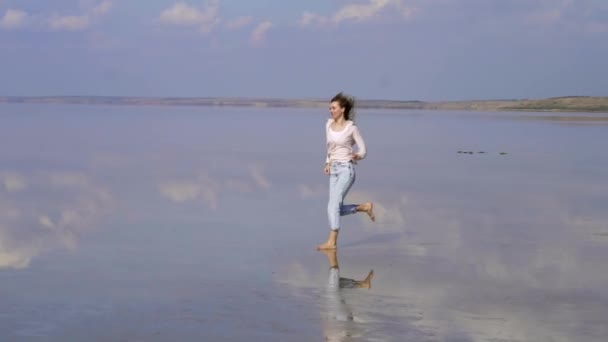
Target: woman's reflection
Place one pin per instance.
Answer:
(340, 316)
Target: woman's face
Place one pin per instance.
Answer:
(335, 110)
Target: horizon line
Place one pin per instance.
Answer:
(286, 98)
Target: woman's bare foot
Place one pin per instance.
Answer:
(332, 241)
(367, 283)
(326, 247)
(369, 209)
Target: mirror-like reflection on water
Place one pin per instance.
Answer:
(187, 223)
(338, 313)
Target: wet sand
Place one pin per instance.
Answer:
(157, 224)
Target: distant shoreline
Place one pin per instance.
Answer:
(583, 104)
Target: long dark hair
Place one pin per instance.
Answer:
(346, 102)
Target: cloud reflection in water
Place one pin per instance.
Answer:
(52, 211)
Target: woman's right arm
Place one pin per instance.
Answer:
(326, 166)
(361, 149)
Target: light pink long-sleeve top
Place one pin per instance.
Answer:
(340, 144)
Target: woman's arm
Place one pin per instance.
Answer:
(326, 166)
(362, 151)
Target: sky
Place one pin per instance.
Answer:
(428, 50)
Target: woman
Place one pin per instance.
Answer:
(342, 134)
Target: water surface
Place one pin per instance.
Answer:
(187, 223)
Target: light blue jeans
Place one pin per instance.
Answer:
(341, 178)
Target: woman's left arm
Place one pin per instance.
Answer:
(362, 151)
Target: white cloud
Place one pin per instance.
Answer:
(79, 22)
(238, 22)
(13, 19)
(103, 8)
(182, 14)
(207, 19)
(69, 23)
(12, 182)
(180, 191)
(360, 11)
(259, 33)
(357, 12)
(185, 15)
(309, 18)
(257, 173)
(14, 259)
(46, 221)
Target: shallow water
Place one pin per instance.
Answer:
(186, 223)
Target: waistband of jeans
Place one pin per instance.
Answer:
(340, 162)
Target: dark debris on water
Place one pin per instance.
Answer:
(480, 152)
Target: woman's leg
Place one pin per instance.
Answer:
(334, 201)
(347, 209)
(345, 177)
(340, 181)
